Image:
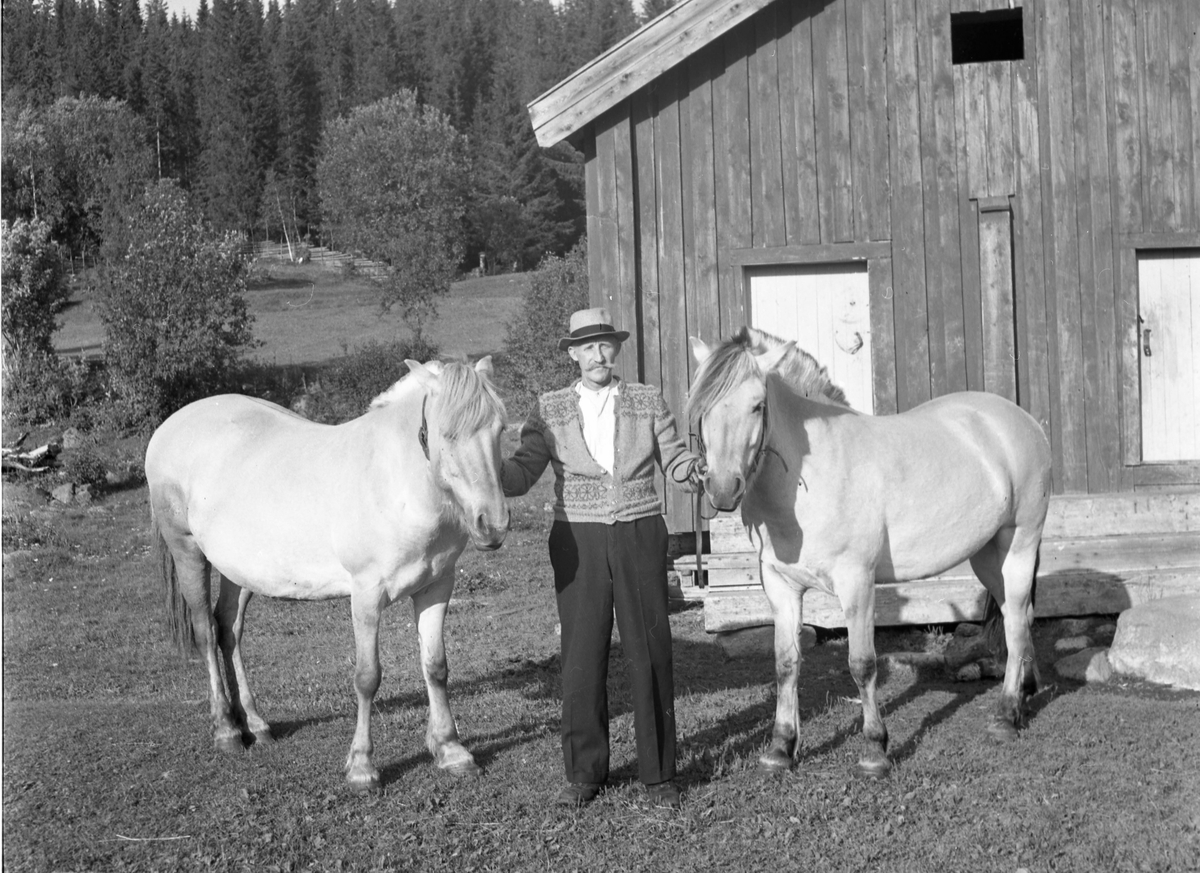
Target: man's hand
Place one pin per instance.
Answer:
(693, 482)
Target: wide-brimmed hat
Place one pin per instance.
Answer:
(588, 324)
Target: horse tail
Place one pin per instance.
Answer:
(993, 618)
(179, 614)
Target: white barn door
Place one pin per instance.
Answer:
(1169, 351)
(825, 308)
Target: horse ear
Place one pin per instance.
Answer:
(770, 359)
(700, 350)
(755, 336)
(420, 371)
(484, 366)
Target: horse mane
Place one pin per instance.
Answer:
(466, 400)
(800, 370)
(733, 362)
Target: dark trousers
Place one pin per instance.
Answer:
(598, 567)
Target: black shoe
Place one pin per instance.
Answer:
(578, 793)
(665, 794)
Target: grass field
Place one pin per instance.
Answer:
(108, 761)
(308, 314)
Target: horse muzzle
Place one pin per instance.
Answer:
(724, 492)
(486, 535)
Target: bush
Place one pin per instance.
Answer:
(40, 387)
(533, 361)
(84, 466)
(345, 388)
(35, 289)
(173, 308)
(37, 385)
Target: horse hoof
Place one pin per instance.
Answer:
(1002, 731)
(264, 738)
(467, 769)
(230, 744)
(774, 761)
(364, 784)
(874, 768)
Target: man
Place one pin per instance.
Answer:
(608, 548)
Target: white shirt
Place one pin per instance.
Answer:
(598, 411)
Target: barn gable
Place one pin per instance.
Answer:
(635, 61)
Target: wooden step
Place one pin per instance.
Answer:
(947, 601)
(1096, 554)
(1071, 516)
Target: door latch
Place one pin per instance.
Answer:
(1146, 343)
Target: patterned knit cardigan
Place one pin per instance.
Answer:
(645, 437)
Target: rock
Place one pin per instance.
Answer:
(1073, 627)
(967, 629)
(966, 649)
(1072, 644)
(64, 493)
(969, 673)
(83, 495)
(72, 438)
(756, 641)
(1103, 634)
(990, 668)
(1090, 665)
(918, 660)
(1159, 641)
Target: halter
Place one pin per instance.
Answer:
(759, 452)
(763, 448)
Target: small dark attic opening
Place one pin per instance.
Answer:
(980, 37)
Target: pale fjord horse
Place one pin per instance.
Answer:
(247, 497)
(836, 500)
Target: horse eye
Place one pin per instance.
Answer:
(759, 407)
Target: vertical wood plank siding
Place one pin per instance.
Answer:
(1033, 327)
(731, 109)
(909, 281)
(766, 139)
(797, 121)
(818, 123)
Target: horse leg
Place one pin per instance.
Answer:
(1006, 566)
(231, 620)
(787, 608)
(364, 608)
(193, 575)
(429, 609)
(856, 591)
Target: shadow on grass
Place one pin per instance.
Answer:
(486, 747)
(752, 725)
(701, 668)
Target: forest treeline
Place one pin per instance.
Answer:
(234, 103)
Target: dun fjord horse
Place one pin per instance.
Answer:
(836, 500)
(247, 497)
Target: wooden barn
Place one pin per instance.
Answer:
(929, 196)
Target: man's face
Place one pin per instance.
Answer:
(596, 359)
